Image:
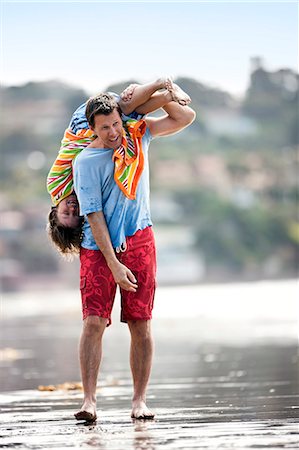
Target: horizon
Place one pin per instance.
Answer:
(71, 85)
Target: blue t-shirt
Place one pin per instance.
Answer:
(96, 190)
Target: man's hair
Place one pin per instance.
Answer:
(66, 240)
(103, 103)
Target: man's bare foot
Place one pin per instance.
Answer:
(87, 412)
(178, 95)
(141, 411)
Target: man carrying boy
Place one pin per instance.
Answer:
(111, 180)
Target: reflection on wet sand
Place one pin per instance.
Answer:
(142, 436)
(220, 408)
(227, 383)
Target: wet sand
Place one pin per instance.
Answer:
(240, 399)
(235, 389)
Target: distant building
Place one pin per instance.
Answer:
(229, 122)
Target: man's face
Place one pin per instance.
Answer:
(68, 212)
(109, 129)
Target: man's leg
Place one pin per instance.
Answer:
(141, 356)
(137, 307)
(97, 294)
(90, 352)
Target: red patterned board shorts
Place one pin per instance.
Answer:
(98, 287)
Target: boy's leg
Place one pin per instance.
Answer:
(161, 99)
(156, 101)
(141, 94)
(145, 99)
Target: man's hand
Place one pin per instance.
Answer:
(123, 276)
(127, 94)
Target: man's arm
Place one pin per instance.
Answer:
(121, 274)
(177, 118)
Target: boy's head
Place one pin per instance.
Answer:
(65, 225)
(67, 211)
(104, 117)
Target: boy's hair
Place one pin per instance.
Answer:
(67, 240)
(103, 103)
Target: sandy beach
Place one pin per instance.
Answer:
(220, 380)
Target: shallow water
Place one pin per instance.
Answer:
(220, 379)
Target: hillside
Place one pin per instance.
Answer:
(230, 178)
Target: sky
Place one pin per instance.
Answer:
(94, 44)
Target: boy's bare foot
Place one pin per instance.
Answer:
(141, 411)
(168, 84)
(87, 412)
(178, 95)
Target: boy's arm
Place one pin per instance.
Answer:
(121, 274)
(177, 118)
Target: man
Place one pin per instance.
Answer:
(118, 244)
